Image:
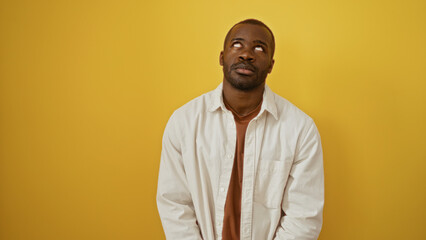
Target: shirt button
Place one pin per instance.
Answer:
(229, 156)
(222, 189)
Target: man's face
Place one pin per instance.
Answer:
(247, 56)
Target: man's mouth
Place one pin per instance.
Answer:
(244, 68)
(244, 71)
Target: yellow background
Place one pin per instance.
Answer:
(86, 88)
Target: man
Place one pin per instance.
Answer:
(241, 162)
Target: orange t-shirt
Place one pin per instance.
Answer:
(232, 216)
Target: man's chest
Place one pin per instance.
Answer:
(208, 153)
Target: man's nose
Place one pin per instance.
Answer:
(246, 55)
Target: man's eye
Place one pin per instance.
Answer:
(259, 48)
(237, 44)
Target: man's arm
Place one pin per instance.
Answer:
(304, 194)
(174, 200)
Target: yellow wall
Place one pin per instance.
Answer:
(86, 88)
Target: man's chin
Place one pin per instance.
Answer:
(243, 85)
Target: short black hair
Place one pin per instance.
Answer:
(253, 22)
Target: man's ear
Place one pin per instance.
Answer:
(272, 65)
(221, 58)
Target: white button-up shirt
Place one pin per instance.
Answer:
(283, 179)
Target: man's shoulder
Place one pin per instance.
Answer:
(194, 107)
(287, 111)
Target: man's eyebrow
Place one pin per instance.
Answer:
(258, 41)
(237, 39)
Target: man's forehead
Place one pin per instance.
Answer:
(252, 30)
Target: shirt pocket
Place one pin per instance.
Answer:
(271, 179)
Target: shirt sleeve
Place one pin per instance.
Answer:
(303, 199)
(174, 200)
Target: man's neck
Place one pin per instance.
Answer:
(242, 102)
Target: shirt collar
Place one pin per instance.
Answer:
(268, 103)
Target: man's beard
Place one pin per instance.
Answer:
(241, 82)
